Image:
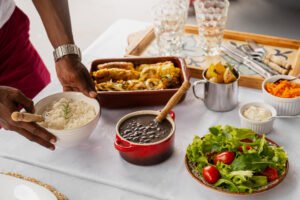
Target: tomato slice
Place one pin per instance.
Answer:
(210, 174)
(225, 157)
(271, 173)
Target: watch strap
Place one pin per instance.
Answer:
(66, 49)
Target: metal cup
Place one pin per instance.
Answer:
(218, 96)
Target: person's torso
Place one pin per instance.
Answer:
(6, 9)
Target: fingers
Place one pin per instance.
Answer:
(24, 101)
(93, 94)
(35, 133)
(87, 86)
(75, 77)
(34, 138)
(84, 90)
(87, 90)
(91, 86)
(67, 88)
(38, 131)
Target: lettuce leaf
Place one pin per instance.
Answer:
(195, 153)
(258, 181)
(227, 184)
(251, 162)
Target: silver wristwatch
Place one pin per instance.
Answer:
(66, 49)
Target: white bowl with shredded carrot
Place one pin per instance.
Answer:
(284, 96)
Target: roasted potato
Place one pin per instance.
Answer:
(229, 76)
(219, 73)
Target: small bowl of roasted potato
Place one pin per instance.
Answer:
(220, 87)
(221, 73)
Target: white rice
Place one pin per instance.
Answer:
(67, 114)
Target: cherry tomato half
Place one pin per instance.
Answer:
(211, 174)
(248, 147)
(271, 173)
(225, 157)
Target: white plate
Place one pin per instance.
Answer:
(17, 189)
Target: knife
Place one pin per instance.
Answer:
(241, 57)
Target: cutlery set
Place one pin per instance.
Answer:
(245, 59)
(257, 58)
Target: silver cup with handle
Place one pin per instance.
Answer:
(218, 97)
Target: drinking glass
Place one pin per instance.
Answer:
(185, 6)
(169, 20)
(211, 18)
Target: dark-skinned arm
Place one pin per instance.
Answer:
(72, 74)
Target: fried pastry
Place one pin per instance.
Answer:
(116, 74)
(117, 65)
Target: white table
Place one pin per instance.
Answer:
(94, 170)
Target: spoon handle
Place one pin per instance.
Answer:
(173, 101)
(296, 77)
(287, 117)
(26, 117)
(293, 79)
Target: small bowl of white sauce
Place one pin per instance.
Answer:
(70, 116)
(257, 116)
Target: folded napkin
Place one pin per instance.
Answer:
(277, 63)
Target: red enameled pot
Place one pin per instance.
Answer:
(145, 154)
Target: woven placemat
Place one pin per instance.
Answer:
(56, 193)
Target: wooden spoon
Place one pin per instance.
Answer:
(173, 101)
(26, 117)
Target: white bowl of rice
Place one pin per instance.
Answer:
(70, 116)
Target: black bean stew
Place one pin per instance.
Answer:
(143, 129)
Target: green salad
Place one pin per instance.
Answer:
(236, 159)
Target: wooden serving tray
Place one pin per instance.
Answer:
(143, 44)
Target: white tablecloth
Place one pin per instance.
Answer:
(94, 169)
